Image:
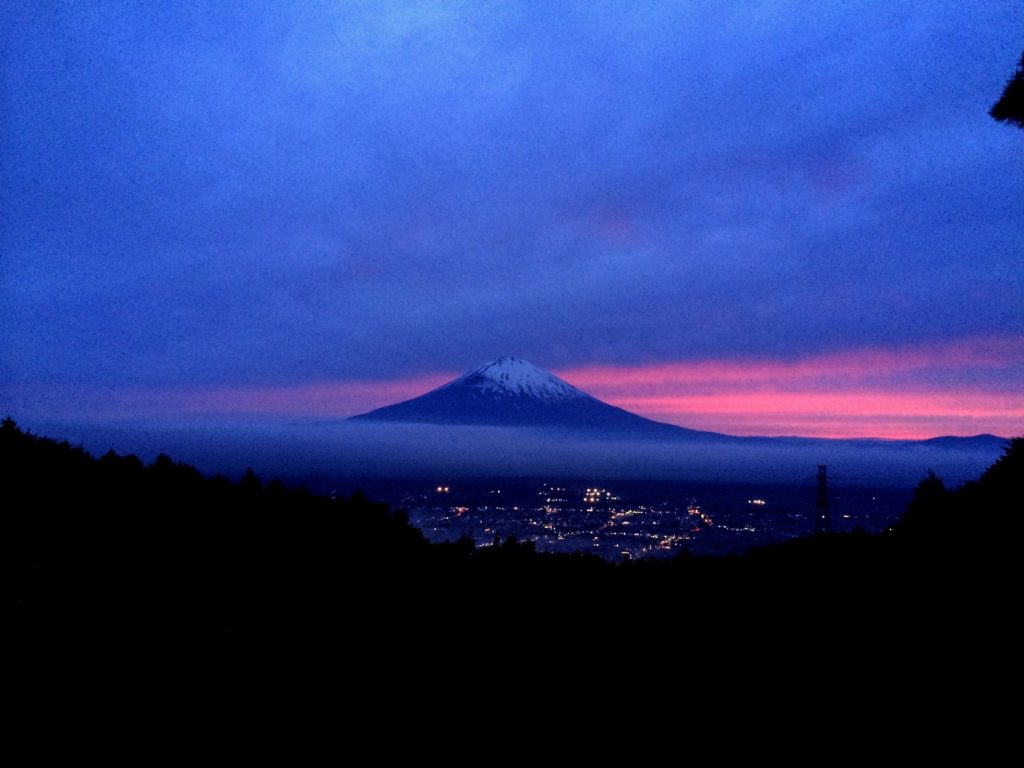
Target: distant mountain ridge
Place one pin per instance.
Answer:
(974, 441)
(510, 391)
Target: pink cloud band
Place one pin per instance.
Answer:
(959, 388)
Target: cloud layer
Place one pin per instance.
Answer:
(212, 198)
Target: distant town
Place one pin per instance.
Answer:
(638, 520)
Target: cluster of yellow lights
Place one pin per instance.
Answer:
(596, 494)
(442, 489)
(621, 513)
(757, 502)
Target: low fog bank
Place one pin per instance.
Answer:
(334, 455)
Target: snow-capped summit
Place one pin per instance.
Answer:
(513, 377)
(509, 391)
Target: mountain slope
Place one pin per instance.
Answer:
(512, 392)
(985, 441)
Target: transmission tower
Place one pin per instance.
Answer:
(822, 520)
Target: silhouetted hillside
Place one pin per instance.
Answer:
(111, 543)
(1010, 106)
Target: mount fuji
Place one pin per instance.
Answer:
(510, 391)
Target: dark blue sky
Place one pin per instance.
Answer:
(274, 195)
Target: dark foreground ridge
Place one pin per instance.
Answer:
(113, 545)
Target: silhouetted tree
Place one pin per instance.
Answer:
(114, 543)
(250, 484)
(1000, 489)
(276, 493)
(926, 514)
(1007, 474)
(1010, 107)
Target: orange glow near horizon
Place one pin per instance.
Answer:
(987, 353)
(961, 388)
(826, 414)
(850, 394)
